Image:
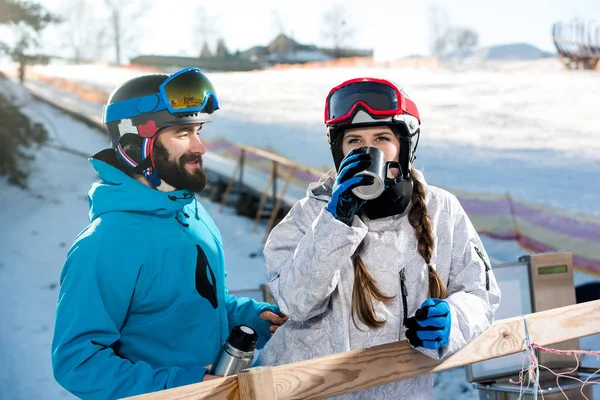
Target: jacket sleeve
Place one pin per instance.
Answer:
(97, 287)
(304, 256)
(472, 305)
(246, 311)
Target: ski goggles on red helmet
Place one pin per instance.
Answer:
(380, 98)
(187, 91)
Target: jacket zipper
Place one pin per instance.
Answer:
(487, 268)
(404, 295)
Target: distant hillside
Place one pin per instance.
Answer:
(515, 51)
(504, 52)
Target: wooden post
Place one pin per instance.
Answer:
(275, 176)
(242, 162)
(256, 384)
(263, 197)
(237, 168)
(277, 205)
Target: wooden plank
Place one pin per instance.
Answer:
(360, 369)
(280, 159)
(216, 389)
(256, 384)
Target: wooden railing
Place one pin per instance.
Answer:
(361, 369)
(278, 163)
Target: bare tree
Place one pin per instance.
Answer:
(222, 50)
(205, 30)
(123, 18)
(81, 31)
(445, 38)
(100, 44)
(206, 53)
(465, 39)
(439, 23)
(277, 23)
(337, 30)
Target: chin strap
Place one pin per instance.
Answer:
(394, 199)
(153, 178)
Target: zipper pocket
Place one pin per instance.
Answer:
(404, 295)
(487, 268)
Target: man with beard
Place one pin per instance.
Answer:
(143, 304)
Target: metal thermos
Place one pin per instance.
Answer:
(237, 352)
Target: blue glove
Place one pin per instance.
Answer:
(344, 204)
(430, 327)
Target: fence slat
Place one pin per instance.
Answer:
(361, 369)
(216, 389)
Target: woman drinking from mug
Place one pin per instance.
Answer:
(353, 273)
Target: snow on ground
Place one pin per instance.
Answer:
(529, 128)
(38, 225)
(514, 105)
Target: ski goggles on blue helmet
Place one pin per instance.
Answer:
(185, 92)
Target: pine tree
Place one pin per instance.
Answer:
(27, 20)
(17, 133)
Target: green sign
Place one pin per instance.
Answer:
(555, 269)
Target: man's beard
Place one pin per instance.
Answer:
(175, 173)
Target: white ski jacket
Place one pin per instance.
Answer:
(311, 275)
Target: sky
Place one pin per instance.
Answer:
(392, 28)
